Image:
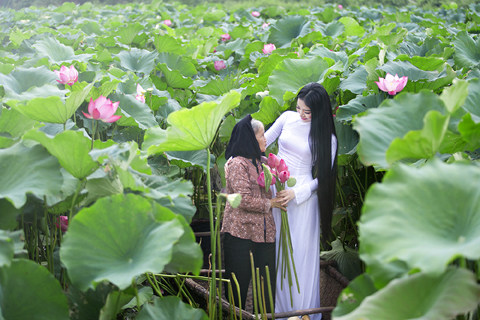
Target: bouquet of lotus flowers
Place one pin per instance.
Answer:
(276, 173)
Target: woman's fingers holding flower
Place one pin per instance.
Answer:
(276, 203)
(285, 196)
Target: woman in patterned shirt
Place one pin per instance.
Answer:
(249, 227)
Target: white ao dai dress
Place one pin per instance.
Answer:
(303, 214)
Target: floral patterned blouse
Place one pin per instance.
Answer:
(252, 219)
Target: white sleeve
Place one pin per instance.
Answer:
(274, 131)
(305, 191)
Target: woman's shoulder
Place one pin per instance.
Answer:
(239, 161)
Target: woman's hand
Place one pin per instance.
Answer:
(276, 203)
(285, 196)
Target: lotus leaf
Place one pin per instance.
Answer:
(28, 170)
(191, 129)
(393, 119)
(117, 239)
(29, 291)
(431, 216)
(170, 308)
(70, 148)
(449, 294)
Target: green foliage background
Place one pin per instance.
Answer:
(233, 4)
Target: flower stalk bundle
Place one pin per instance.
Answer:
(276, 173)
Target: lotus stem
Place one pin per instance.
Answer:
(134, 285)
(239, 295)
(70, 215)
(254, 286)
(93, 132)
(259, 292)
(154, 285)
(270, 295)
(212, 236)
(219, 252)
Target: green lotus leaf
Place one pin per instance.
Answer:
(454, 96)
(393, 119)
(177, 62)
(286, 29)
(57, 52)
(430, 220)
(356, 81)
(417, 78)
(14, 123)
(8, 218)
(359, 105)
(215, 15)
(174, 78)
(127, 33)
(138, 60)
(145, 295)
(6, 248)
(28, 170)
(102, 187)
(187, 253)
(237, 46)
(269, 111)
(191, 129)
(134, 110)
(29, 291)
(352, 28)
(393, 39)
(218, 87)
(170, 307)
(166, 43)
(326, 53)
(185, 159)
(472, 101)
(71, 148)
(347, 142)
(467, 50)
(53, 109)
(353, 295)
(333, 29)
(292, 74)
(347, 259)
(449, 294)
(26, 84)
(424, 63)
(266, 67)
(114, 302)
(117, 239)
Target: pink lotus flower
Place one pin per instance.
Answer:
(63, 223)
(140, 93)
(273, 161)
(340, 7)
(268, 48)
(225, 37)
(265, 25)
(67, 76)
(256, 14)
(219, 65)
(167, 22)
(102, 109)
(283, 176)
(391, 84)
(282, 166)
(214, 49)
(261, 180)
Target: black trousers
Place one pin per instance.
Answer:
(237, 260)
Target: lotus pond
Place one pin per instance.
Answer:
(114, 123)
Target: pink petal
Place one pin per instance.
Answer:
(87, 115)
(111, 119)
(96, 114)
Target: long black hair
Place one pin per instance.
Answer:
(322, 128)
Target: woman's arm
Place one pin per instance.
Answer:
(239, 182)
(274, 131)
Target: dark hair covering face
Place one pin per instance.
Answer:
(322, 128)
(243, 142)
